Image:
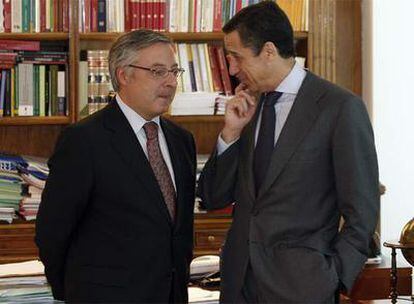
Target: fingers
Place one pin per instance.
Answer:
(240, 87)
(242, 104)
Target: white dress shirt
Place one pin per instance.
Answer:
(289, 88)
(137, 123)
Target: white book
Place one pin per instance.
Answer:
(83, 89)
(184, 13)
(16, 16)
(37, 14)
(42, 83)
(172, 18)
(25, 89)
(182, 52)
(1, 17)
(197, 67)
(48, 14)
(120, 16)
(207, 87)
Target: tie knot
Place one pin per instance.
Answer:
(271, 98)
(151, 130)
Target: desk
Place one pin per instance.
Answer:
(374, 281)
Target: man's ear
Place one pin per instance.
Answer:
(269, 50)
(122, 76)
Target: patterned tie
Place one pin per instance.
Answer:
(265, 139)
(160, 168)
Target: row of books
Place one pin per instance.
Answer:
(174, 15)
(205, 68)
(22, 180)
(34, 16)
(32, 82)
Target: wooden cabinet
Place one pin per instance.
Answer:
(17, 242)
(210, 232)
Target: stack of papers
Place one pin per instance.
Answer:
(24, 283)
(194, 103)
(204, 265)
(201, 296)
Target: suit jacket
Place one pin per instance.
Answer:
(323, 166)
(103, 229)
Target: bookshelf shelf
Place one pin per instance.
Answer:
(174, 36)
(197, 118)
(29, 120)
(35, 36)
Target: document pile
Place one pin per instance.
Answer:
(202, 296)
(24, 283)
(194, 103)
(22, 179)
(204, 266)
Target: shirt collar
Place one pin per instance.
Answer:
(293, 81)
(135, 120)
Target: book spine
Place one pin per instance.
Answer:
(16, 16)
(53, 89)
(7, 23)
(65, 15)
(42, 74)
(215, 73)
(61, 93)
(94, 15)
(102, 16)
(36, 90)
(128, 16)
(26, 16)
(162, 18)
(224, 71)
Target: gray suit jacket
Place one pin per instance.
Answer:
(324, 165)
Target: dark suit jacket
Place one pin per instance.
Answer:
(324, 165)
(103, 229)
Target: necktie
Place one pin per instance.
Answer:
(265, 139)
(159, 167)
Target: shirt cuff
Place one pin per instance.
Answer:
(222, 145)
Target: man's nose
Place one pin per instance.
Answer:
(233, 68)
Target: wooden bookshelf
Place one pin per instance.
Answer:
(35, 36)
(34, 120)
(332, 47)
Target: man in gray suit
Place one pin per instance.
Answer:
(296, 153)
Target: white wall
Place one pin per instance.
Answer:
(388, 82)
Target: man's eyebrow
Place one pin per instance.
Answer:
(163, 65)
(232, 53)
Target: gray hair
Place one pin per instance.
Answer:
(124, 51)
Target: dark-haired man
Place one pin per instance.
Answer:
(296, 153)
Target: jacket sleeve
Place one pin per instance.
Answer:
(357, 186)
(218, 178)
(63, 203)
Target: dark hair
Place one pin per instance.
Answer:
(260, 23)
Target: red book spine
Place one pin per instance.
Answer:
(155, 15)
(65, 15)
(7, 15)
(238, 5)
(59, 11)
(19, 45)
(163, 8)
(128, 16)
(87, 16)
(195, 16)
(143, 13)
(224, 71)
(42, 15)
(94, 15)
(149, 10)
(215, 73)
(217, 23)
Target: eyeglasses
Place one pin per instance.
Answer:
(160, 72)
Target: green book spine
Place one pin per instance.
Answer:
(26, 16)
(36, 90)
(53, 89)
(16, 91)
(42, 83)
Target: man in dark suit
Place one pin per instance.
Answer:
(296, 153)
(116, 219)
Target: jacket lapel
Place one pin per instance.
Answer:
(124, 141)
(247, 154)
(301, 118)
